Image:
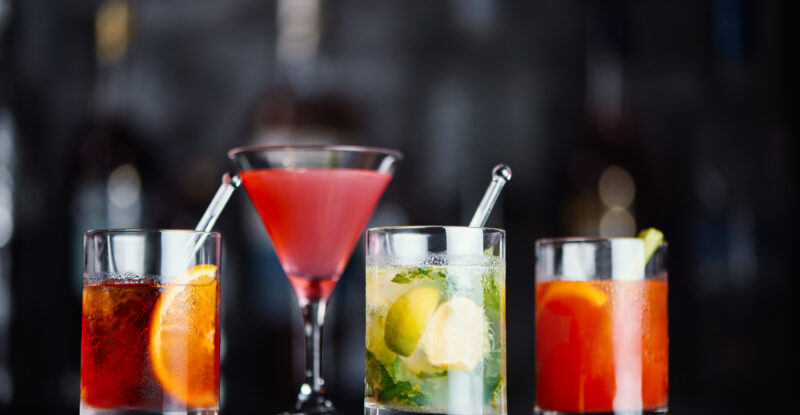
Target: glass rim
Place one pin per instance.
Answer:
(378, 229)
(120, 231)
(250, 149)
(587, 239)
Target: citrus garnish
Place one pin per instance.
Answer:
(184, 339)
(562, 297)
(653, 238)
(375, 343)
(455, 335)
(407, 318)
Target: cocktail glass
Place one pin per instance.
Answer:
(314, 201)
(435, 310)
(150, 322)
(601, 327)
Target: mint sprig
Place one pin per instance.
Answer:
(493, 389)
(491, 293)
(493, 361)
(418, 273)
(388, 389)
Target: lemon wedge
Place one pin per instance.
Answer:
(456, 335)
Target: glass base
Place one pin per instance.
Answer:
(313, 411)
(313, 403)
(93, 411)
(371, 409)
(660, 411)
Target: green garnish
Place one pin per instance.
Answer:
(653, 238)
(493, 389)
(492, 370)
(425, 375)
(380, 379)
(491, 292)
(419, 273)
(489, 251)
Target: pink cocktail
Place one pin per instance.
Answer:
(314, 218)
(315, 201)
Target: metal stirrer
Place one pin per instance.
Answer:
(501, 174)
(210, 216)
(214, 209)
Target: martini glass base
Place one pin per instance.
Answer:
(313, 403)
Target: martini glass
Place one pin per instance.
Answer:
(314, 201)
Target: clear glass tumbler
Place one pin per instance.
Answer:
(150, 322)
(435, 312)
(601, 327)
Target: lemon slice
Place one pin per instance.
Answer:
(418, 363)
(456, 335)
(184, 339)
(407, 318)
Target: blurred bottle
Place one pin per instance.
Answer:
(8, 166)
(112, 177)
(604, 176)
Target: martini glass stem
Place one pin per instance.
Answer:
(313, 319)
(312, 394)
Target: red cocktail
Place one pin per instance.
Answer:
(149, 340)
(601, 336)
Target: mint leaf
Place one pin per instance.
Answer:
(380, 380)
(493, 362)
(492, 297)
(425, 375)
(493, 390)
(417, 273)
(404, 392)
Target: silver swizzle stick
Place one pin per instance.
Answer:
(501, 174)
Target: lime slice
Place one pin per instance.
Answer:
(407, 319)
(375, 343)
(456, 335)
(652, 238)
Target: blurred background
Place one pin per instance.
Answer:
(614, 115)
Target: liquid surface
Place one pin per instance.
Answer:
(601, 346)
(450, 322)
(314, 218)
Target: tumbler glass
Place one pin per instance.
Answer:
(150, 322)
(435, 310)
(601, 327)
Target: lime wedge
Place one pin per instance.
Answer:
(375, 343)
(652, 238)
(407, 319)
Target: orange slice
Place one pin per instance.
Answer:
(563, 296)
(184, 339)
